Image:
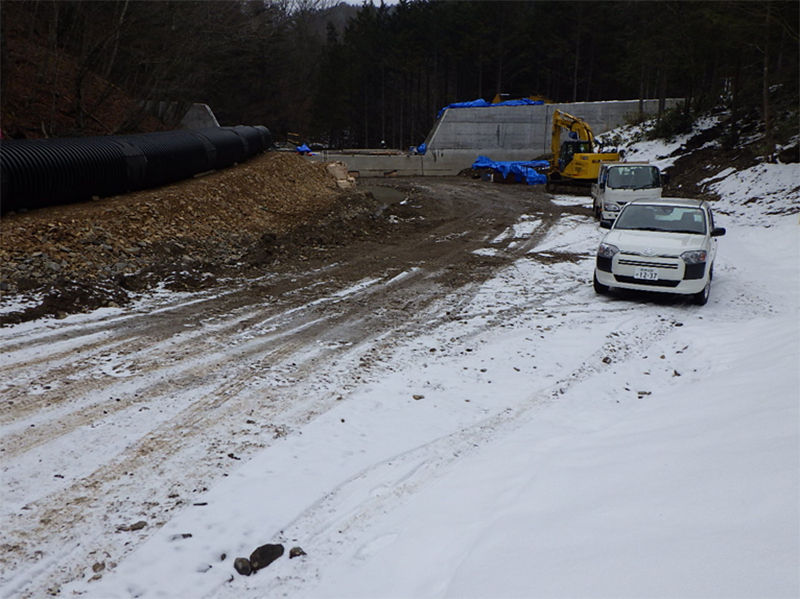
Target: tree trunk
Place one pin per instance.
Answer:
(577, 61)
(769, 142)
(115, 47)
(642, 91)
(735, 109)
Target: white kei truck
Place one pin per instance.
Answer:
(621, 182)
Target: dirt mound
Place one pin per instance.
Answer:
(183, 236)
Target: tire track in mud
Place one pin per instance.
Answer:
(134, 337)
(271, 353)
(152, 351)
(133, 348)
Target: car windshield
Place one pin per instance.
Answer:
(670, 219)
(633, 177)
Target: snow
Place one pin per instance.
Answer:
(661, 153)
(768, 184)
(556, 444)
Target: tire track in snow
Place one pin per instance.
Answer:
(339, 519)
(272, 354)
(164, 449)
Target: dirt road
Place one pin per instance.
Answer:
(196, 382)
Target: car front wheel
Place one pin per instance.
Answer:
(599, 287)
(701, 297)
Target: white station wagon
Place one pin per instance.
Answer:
(666, 245)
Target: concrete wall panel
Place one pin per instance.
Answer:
(513, 133)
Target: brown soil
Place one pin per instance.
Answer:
(227, 223)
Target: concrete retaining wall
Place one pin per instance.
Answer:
(199, 116)
(501, 133)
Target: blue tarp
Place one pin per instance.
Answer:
(304, 149)
(484, 104)
(522, 171)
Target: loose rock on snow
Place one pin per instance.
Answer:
(242, 566)
(259, 559)
(265, 555)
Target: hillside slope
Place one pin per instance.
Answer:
(47, 94)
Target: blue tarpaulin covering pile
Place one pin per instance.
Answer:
(522, 171)
(485, 104)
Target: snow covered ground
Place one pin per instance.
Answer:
(553, 443)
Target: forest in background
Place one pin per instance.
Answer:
(354, 76)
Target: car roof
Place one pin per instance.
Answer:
(684, 202)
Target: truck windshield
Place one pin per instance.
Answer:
(633, 177)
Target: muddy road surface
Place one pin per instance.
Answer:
(101, 410)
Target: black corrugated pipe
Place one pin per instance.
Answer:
(171, 156)
(266, 136)
(255, 142)
(230, 149)
(38, 173)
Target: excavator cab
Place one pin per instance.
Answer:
(568, 150)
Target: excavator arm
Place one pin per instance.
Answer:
(573, 124)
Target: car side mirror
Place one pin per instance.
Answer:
(606, 224)
(717, 231)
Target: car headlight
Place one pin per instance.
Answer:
(606, 250)
(694, 256)
(611, 207)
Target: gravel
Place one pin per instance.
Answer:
(65, 259)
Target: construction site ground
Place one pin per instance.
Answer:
(168, 337)
(276, 213)
(272, 256)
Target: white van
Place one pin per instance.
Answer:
(621, 182)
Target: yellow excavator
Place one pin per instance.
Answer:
(575, 161)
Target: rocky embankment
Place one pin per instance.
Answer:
(79, 257)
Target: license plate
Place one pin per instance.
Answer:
(645, 274)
